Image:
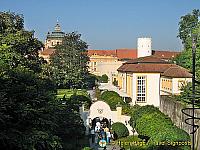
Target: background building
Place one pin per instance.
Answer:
(54, 38)
(106, 61)
(146, 78)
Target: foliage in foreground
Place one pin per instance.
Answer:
(153, 126)
(30, 115)
(120, 129)
(189, 25)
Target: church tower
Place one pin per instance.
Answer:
(54, 38)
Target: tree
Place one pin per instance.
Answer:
(23, 47)
(189, 25)
(30, 115)
(69, 62)
(26, 104)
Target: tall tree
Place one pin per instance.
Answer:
(20, 41)
(30, 115)
(189, 25)
(69, 62)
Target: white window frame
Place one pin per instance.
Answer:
(141, 89)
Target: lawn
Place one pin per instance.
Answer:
(69, 92)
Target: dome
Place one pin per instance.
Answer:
(57, 33)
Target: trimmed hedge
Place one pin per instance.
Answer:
(102, 79)
(152, 123)
(120, 129)
(112, 99)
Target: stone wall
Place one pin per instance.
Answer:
(173, 109)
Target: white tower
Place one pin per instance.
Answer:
(144, 47)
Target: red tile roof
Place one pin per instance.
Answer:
(47, 51)
(151, 64)
(144, 68)
(126, 53)
(177, 72)
(102, 52)
(132, 53)
(165, 54)
(148, 59)
(119, 53)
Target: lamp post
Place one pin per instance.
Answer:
(193, 87)
(191, 117)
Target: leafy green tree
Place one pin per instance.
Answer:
(23, 47)
(69, 62)
(188, 26)
(91, 81)
(30, 116)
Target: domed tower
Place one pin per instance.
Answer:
(144, 47)
(54, 38)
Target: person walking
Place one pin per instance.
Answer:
(93, 135)
(108, 136)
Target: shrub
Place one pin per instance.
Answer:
(131, 109)
(81, 99)
(120, 129)
(150, 122)
(104, 78)
(141, 111)
(112, 99)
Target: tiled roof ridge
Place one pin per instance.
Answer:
(181, 72)
(147, 59)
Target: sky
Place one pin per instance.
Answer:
(107, 24)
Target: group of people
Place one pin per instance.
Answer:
(102, 132)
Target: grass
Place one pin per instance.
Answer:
(69, 92)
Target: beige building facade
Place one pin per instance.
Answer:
(147, 78)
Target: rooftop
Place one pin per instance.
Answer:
(147, 59)
(152, 64)
(57, 33)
